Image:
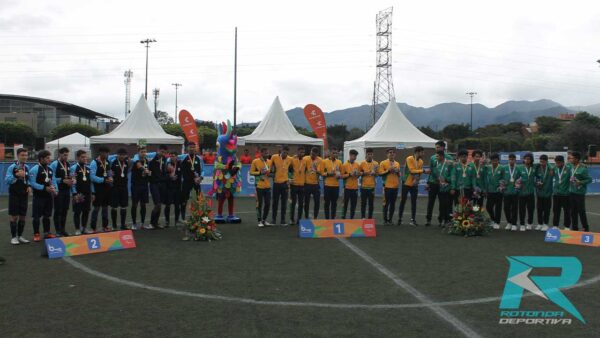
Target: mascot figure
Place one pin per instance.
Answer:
(227, 179)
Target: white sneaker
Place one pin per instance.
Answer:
(267, 224)
(496, 226)
(135, 226)
(261, 224)
(88, 231)
(78, 232)
(538, 227)
(508, 226)
(148, 227)
(529, 227)
(23, 240)
(513, 228)
(523, 228)
(14, 241)
(544, 228)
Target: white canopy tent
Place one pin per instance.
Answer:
(73, 142)
(276, 128)
(140, 124)
(392, 130)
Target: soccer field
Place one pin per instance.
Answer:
(417, 282)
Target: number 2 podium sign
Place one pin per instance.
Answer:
(89, 244)
(328, 228)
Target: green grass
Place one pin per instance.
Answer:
(42, 297)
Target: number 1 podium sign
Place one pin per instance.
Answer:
(328, 228)
(556, 235)
(89, 244)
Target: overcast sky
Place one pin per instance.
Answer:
(320, 52)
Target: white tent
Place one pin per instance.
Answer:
(140, 124)
(392, 130)
(276, 128)
(74, 142)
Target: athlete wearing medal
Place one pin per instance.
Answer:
(261, 170)
(140, 175)
(480, 180)
(82, 193)
(511, 181)
(44, 189)
(579, 181)
(351, 174)
(543, 193)
(62, 175)
(368, 173)
(495, 189)
(297, 186)
(18, 194)
(158, 184)
(560, 193)
(526, 193)
(191, 175)
(101, 188)
(312, 163)
(413, 169)
(432, 185)
(173, 188)
(119, 166)
(442, 174)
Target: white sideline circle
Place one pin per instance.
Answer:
(95, 273)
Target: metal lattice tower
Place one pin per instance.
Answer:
(383, 88)
(128, 75)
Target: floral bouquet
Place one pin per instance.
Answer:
(502, 186)
(518, 184)
(469, 220)
(201, 226)
(476, 193)
(78, 198)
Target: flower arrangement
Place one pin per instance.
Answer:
(201, 226)
(469, 220)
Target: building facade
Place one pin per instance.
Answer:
(44, 115)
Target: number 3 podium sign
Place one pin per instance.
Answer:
(89, 244)
(556, 235)
(327, 228)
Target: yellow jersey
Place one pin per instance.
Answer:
(261, 180)
(281, 168)
(369, 171)
(412, 171)
(329, 167)
(350, 174)
(312, 168)
(390, 174)
(299, 171)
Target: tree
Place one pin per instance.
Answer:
(430, 132)
(336, 135)
(548, 124)
(456, 131)
(16, 133)
(173, 129)
(579, 133)
(70, 128)
(355, 133)
(163, 118)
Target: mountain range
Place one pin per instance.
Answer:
(440, 115)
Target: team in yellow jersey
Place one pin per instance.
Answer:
(300, 177)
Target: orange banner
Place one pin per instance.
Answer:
(316, 119)
(188, 125)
